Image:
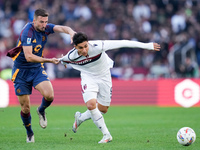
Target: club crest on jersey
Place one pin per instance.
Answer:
(28, 41)
(43, 38)
(85, 87)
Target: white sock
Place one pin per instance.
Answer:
(85, 116)
(98, 120)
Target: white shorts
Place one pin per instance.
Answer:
(99, 88)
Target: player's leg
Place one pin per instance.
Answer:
(46, 89)
(81, 117)
(23, 88)
(98, 120)
(89, 91)
(103, 103)
(94, 113)
(43, 85)
(24, 101)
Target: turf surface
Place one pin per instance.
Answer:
(132, 128)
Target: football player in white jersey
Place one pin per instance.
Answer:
(90, 59)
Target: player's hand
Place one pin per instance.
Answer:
(71, 36)
(55, 61)
(64, 64)
(156, 46)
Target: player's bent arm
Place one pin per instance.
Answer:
(64, 29)
(30, 57)
(115, 44)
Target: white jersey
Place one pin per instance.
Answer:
(97, 63)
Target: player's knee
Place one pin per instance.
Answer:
(91, 106)
(26, 109)
(49, 97)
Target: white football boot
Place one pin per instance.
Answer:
(106, 138)
(42, 118)
(30, 139)
(77, 122)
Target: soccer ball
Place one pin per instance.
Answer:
(186, 136)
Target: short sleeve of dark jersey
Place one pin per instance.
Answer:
(49, 28)
(26, 37)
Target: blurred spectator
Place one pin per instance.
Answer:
(189, 69)
(141, 10)
(159, 70)
(178, 21)
(82, 12)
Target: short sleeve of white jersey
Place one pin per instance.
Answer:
(97, 44)
(102, 45)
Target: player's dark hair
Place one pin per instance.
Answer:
(79, 37)
(41, 12)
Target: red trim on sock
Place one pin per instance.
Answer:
(47, 101)
(25, 115)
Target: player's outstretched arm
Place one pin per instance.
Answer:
(156, 46)
(115, 44)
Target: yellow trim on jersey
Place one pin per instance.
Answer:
(14, 75)
(16, 56)
(13, 58)
(42, 64)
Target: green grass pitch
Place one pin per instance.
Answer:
(132, 128)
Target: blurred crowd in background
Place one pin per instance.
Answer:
(174, 24)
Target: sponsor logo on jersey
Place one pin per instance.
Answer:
(84, 61)
(37, 48)
(28, 41)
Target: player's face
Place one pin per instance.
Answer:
(82, 48)
(40, 23)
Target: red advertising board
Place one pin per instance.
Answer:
(163, 92)
(179, 92)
